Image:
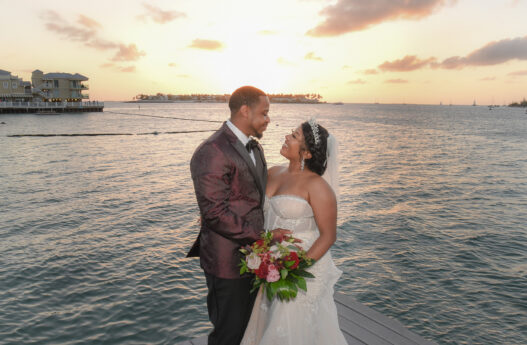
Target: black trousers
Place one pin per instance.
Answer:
(230, 304)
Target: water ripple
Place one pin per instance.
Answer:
(95, 229)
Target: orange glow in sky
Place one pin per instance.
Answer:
(418, 51)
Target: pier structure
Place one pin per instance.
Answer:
(50, 107)
(361, 326)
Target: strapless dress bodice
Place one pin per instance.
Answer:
(293, 213)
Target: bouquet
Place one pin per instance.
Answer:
(280, 266)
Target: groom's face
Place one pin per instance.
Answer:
(259, 117)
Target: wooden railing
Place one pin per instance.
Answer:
(55, 105)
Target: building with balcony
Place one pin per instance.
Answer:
(13, 88)
(59, 87)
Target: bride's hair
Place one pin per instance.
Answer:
(318, 161)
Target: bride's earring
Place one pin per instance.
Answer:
(302, 164)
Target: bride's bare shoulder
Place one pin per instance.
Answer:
(319, 188)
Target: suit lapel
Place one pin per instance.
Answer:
(238, 146)
(261, 167)
(252, 168)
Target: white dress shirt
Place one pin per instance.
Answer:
(241, 137)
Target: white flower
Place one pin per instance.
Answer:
(275, 252)
(253, 261)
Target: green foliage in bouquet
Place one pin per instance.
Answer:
(281, 267)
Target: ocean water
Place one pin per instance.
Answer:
(432, 225)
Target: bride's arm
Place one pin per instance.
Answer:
(324, 205)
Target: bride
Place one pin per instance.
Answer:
(302, 198)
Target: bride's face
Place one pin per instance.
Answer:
(293, 145)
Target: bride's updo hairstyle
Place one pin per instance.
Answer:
(318, 161)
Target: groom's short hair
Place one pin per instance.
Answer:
(245, 95)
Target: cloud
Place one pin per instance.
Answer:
(488, 79)
(183, 76)
(370, 71)
(206, 44)
(172, 64)
(160, 16)
(355, 15)
(128, 53)
(493, 53)
(396, 81)
(101, 44)
(346, 67)
(356, 81)
(408, 63)
(107, 65)
(88, 22)
(70, 32)
(518, 73)
(311, 56)
(87, 33)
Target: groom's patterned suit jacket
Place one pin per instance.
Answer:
(230, 191)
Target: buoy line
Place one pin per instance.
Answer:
(163, 117)
(104, 134)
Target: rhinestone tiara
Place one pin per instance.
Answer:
(314, 128)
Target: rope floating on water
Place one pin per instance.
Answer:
(103, 134)
(163, 117)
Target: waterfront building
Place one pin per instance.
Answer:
(13, 88)
(59, 87)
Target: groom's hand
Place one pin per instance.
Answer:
(280, 234)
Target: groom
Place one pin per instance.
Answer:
(230, 174)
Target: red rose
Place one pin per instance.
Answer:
(259, 243)
(293, 256)
(262, 271)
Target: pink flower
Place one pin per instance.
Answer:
(272, 274)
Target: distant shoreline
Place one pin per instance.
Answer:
(211, 101)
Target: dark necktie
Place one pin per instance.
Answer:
(251, 144)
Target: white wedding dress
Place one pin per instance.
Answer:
(311, 318)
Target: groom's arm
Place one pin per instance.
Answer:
(212, 177)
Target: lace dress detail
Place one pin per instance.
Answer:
(311, 318)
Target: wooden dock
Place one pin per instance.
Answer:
(361, 326)
(50, 107)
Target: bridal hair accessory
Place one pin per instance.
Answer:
(314, 128)
(331, 175)
(302, 163)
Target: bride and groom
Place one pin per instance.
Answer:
(239, 198)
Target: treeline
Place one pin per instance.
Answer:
(274, 98)
(521, 104)
(191, 97)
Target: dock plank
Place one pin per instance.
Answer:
(386, 327)
(200, 341)
(361, 325)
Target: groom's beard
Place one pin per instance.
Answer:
(259, 135)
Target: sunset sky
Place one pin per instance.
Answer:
(386, 51)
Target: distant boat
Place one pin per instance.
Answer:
(474, 104)
(338, 103)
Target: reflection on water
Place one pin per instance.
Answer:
(95, 229)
